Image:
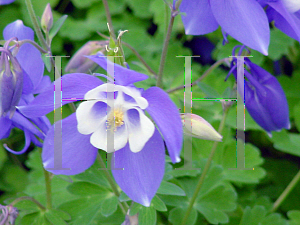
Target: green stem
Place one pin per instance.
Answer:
(48, 188)
(174, 13)
(30, 199)
(205, 171)
(34, 44)
(140, 58)
(134, 52)
(205, 74)
(108, 17)
(114, 188)
(286, 192)
(164, 52)
(35, 24)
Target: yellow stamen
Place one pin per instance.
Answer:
(115, 119)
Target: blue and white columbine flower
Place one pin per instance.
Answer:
(244, 20)
(139, 146)
(32, 68)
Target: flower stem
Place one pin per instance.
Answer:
(205, 171)
(108, 17)
(30, 199)
(205, 74)
(286, 192)
(164, 52)
(174, 13)
(35, 24)
(114, 188)
(48, 188)
(140, 58)
(34, 44)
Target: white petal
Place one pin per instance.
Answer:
(100, 93)
(99, 138)
(140, 129)
(292, 5)
(89, 115)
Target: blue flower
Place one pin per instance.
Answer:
(286, 16)
(139, 146)
(265, 99)
(6, 2)
(244, 20)
(32, 69)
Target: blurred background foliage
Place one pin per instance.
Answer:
(228, 196)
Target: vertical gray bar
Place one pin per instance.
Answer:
(110, 102)
(240, 119)
(187, 141)
(58, 116)
(110, 154)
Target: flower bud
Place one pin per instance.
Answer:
(199, 128)
(47, 18)
(79, 63)
(11, 83)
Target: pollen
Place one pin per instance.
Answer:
(115, 119)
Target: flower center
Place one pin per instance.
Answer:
(115, 119)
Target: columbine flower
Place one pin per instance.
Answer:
(11, 82)
(139, 146)
(6, 2)
(244, 20)
(32, 67)
(8, 215)
(286, 16)
(264, 97)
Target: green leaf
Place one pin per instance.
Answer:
(88, 211)
(47, 61)
(56, 217)
(3, 155)
(279, 44)
(56, 26)
(123, 197)
(287, 142)
(214, 204)
(215, 197)
(109, 206)
(88, 189)
(167, 188)
(258, 216)
(176, 216)
(147, 216)
(158, 204)
(296, 111)
(140, 10)
(135, 208)
(253, 159)
(36, 218)
(208, 90)
(294, 216)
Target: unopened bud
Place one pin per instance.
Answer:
(47, 18)
(199, 128)
(11, 83)
(79, 63)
